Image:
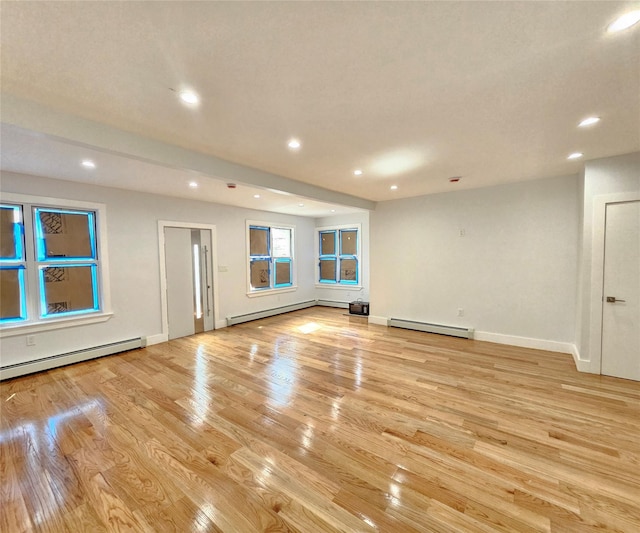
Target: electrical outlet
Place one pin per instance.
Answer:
(460, 311)
(462, 232)
(31, 340)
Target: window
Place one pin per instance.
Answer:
(50, 262)
(270, 257)
(66, 260)
(12, 265)
(338, 256)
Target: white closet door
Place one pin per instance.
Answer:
(179, 269)
(621, 298)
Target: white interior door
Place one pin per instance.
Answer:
(179, 271)
(621, 298)
(189, 280)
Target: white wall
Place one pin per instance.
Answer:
(607, 176)
(348, 294)
(522, 272)
(514, 272)
(132, 233)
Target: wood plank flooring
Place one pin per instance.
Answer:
(315, 421)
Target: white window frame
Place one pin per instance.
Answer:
(338, 285)
(33, 323)
(251, 292)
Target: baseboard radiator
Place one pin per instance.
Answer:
(21, 369)
(239, 319)
(466, 333)
(333, 303)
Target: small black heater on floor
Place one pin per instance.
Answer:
(359, 308)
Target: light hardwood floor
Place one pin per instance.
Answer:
(315, 421)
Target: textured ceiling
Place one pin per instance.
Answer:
(411, 93)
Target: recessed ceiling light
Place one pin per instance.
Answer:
(625, 21)
(394, 187)
(189, 97)
(193, 184)
(87, 163)
(357, 172)
(300, 205)
(294, 144)
(589, 121)
(333, 210)
(256, 196)
(575, 155)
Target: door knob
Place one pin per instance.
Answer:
(613, 299)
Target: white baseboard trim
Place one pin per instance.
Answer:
(525, 342)
(221, 324)
(157, 339)
(583, 365)
(380, 320)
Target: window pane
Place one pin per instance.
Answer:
(283, 273)
(349, 270)
(65, 234)
(349, 242)
(12, 302)
(327, 243)
(260, 274)
(68, 289)
(11, 247)
(328, 270)
(258, 241)
(281, 242)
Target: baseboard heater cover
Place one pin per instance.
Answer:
(466, 333)
(47, 363)
(333, 303)
(239, 319)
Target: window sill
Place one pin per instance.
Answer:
(49, 325)
(266, 292)
(339, 287)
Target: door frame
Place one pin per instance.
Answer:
(162, 224)
(600, 203)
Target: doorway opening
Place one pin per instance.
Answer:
(188, 284)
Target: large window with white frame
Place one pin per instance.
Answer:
(270, 257)
(51, 264)
(339, 256)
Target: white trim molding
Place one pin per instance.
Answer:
(525, 342)
(583, 365)
(61, 323)
(379, 320)
(156, 339)
(267, 292)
